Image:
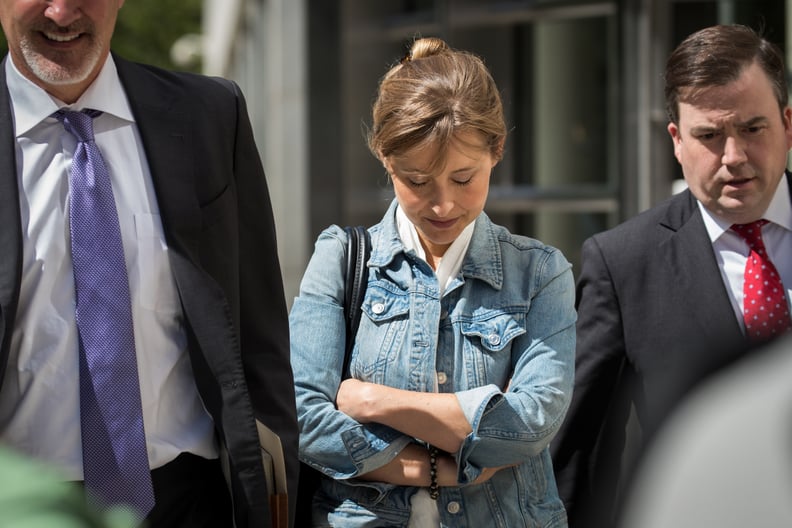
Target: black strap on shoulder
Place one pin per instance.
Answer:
(355, 280)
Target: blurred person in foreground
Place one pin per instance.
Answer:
(462, 365)
(143, 325)
(723, 458)
(33, 495)
(664, 299)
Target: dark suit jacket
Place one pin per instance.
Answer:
(218, 222)
(654, 318)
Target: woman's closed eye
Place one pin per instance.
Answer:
(463, 182)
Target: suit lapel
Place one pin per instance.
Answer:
(166, 135)
(10, 224)
(789, 183)
(698, 282)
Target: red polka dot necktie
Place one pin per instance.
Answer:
(765, 306)
(115, 461)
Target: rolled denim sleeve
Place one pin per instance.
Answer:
(510, 426)
(330, 441)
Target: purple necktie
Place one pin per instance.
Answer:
(115, 460)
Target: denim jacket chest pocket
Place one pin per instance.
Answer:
(383, 330)
(487, 345)
(493, 331)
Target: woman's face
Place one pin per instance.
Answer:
(441, 203)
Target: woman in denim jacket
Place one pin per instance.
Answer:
(463, 363)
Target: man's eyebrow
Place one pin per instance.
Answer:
(758, 120)
(705, 128)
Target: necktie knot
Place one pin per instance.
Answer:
(78, 124)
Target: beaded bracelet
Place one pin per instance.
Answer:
(434, 489)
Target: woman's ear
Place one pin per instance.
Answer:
(386, 163)
(497, 151)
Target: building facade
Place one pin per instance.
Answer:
(581, 82)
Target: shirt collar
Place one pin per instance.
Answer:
(482, 260)
(778, 212)
(31, 104)
(452, 260)
(411, 240)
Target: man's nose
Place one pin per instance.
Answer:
(734, 151)
(63, 12)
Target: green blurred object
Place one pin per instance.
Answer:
(147, 29)
(33, 496)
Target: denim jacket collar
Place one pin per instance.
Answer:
(483, 260)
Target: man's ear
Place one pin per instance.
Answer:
(676, 138)
(787, 116)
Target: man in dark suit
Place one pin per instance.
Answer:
(194, 215)
(660, 297)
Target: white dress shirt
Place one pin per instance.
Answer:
(39, 399)
(731, 250)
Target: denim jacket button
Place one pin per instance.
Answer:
(378, 308)
(441, 378)
(453, 507)
(494, 339)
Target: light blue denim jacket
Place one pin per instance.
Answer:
(503, 338)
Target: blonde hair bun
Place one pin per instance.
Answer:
(426, 47)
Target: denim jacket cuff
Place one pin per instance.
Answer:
(474, 403)
(371, 446)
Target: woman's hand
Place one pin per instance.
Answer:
(447, 472)
(488, 473)
(411, 468)
(355, 397)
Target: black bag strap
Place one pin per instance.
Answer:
(355, 280)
